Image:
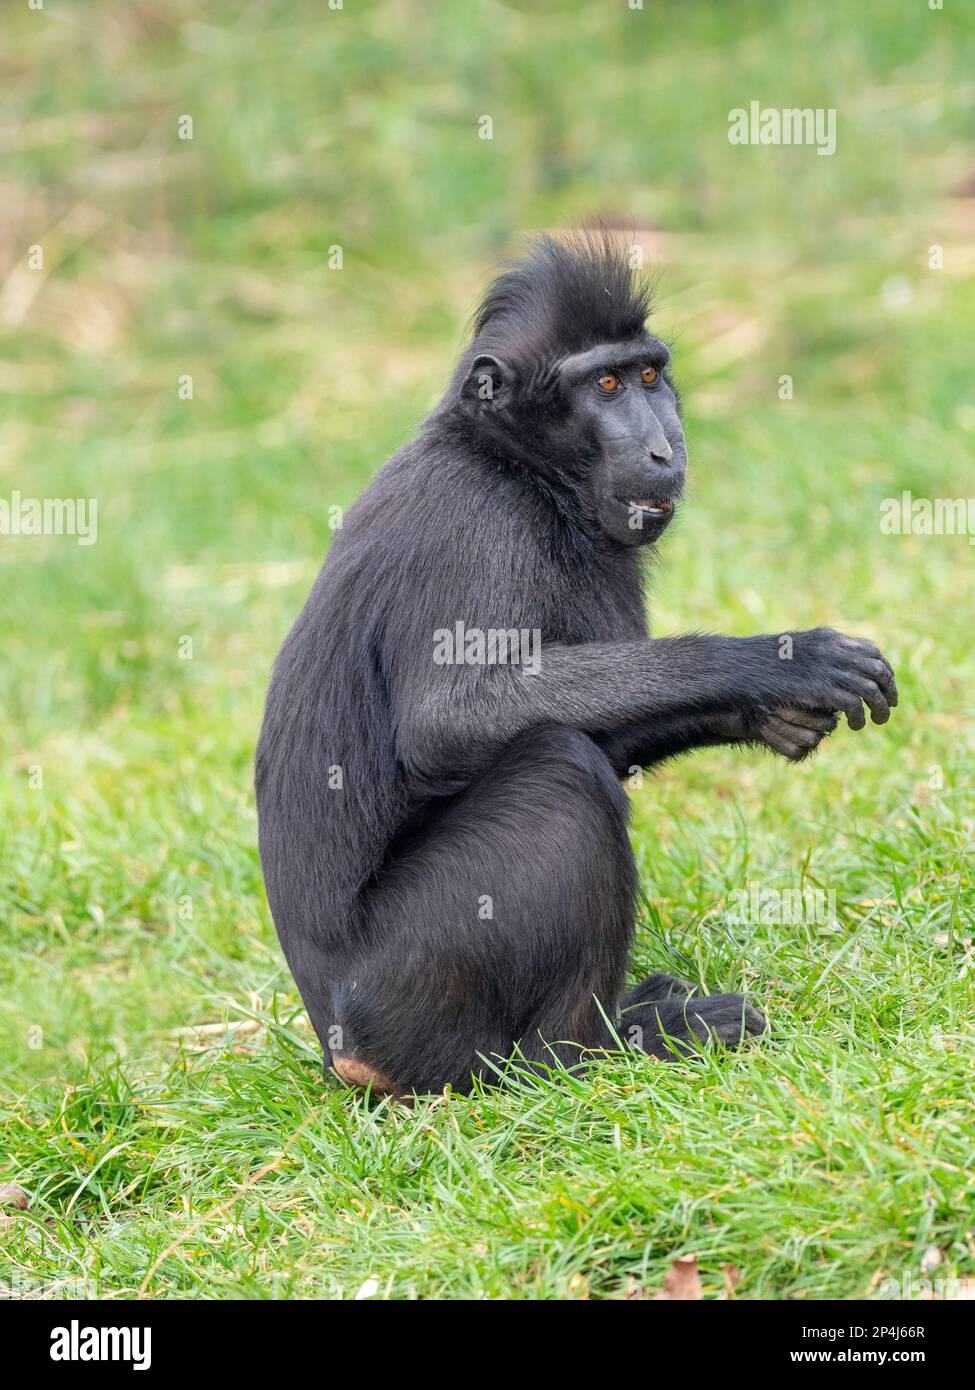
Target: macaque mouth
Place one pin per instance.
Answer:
(656, 506)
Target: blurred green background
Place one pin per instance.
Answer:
(131, 897)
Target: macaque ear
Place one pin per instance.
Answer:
(487, 379)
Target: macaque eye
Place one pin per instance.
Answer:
(648, 376)
(608, 382)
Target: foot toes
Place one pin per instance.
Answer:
(728, 1018)
(684, 1025)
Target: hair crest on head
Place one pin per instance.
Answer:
(565, 294)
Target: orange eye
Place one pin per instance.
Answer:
(648, 376)
(608, 382)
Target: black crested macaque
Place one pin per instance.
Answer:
(442, 825)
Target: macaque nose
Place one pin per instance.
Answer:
(660, 451)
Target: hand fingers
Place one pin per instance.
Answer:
(872, 696)
(824, 721)
(846, 702)
(791, 740)
(792, 751)
(872, 662)
(878, 670)
(794, 733)
(855, 717)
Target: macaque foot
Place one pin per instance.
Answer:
(654, 987)
(680, 1026)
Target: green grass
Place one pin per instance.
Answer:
(837, 1153)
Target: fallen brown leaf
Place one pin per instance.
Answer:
(682, 1282)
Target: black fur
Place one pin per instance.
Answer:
(564, 298)
(469, 885)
